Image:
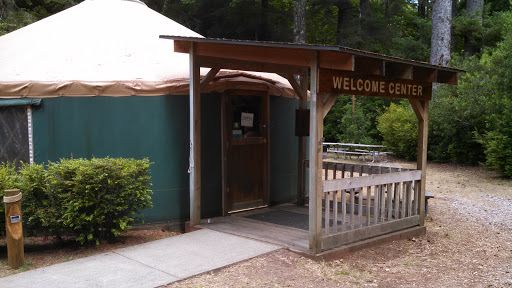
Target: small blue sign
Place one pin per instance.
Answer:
(15, 219)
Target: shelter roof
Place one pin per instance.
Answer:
(292, 57)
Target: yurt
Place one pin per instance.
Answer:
(96, 80)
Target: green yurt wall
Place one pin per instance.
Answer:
(158, 128)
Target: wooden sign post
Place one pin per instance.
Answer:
(13, 225)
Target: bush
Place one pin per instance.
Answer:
(8, 180)
(100, 197)
(497, 140)
(94, 200)
(399, 127)
(499, 152)
(32, 183)
(340, 125)
(354, 127)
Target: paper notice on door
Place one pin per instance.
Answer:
(247, 119)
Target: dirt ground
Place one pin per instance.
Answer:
(45, 251)
(468, 244)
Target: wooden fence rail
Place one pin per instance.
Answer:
(362, 201)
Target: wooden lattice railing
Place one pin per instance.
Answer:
(364, 201)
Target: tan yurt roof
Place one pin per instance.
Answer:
(109, 48)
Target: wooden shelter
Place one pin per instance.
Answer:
(380, 201)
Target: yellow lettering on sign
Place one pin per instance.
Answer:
(345, 83)
(337, 82)
(360, 85)
(367, 85)
(375, 86)
(357, 84)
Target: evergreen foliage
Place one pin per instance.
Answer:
(469, 123)
(344, 126)
(94, 200)
(399, 128)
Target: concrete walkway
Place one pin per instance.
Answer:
(147, 265)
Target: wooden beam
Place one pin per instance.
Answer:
(446, 77)
(195, 140)
(301, 93)
(418, 108)
(225, 129)
(423, 74)
(398, 70)
(263, 54)
(234, 64)
(301, 178)
(369, 66)
(355, 235)
(315, 163)
(209, 77)
(265, 117)
(336, 60)
(329, 101)
(422, 157)
(371, 180)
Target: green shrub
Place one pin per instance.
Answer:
(354, 127)
(100, 197)
(94, 200)
(35, 203)
(498, 138)
(456, 113)
(499, 152)
(399, 128)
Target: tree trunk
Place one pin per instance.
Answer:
(364, 7)
(344, 18)
(452, 30)
(422, 8)
(474, 8)
(299, 21)
(263, 34)
(441, 32)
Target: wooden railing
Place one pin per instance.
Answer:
(364, 201)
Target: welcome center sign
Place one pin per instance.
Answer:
(351, 83)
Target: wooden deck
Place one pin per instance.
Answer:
(292, 231)
(239, 224)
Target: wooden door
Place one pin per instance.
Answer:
(245, 118)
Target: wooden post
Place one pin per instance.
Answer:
(303, 104)
(420, 107)
(315, 162)
(195, 140)
(14, 228)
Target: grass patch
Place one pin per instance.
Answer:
(25, 267)
(410, 262)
